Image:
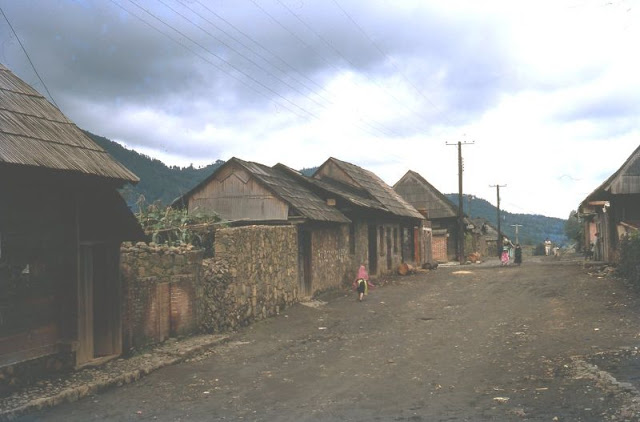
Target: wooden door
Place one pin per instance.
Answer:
(84, 352)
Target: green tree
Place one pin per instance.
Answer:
(574, 229)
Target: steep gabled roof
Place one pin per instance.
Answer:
(427, 196)
(375, 187)
(350, 194)
(283, 186)
(34, 133)
(626, 180)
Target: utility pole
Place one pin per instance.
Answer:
(517, 226)
(498, 245)
(460, 205)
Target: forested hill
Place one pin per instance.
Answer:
(158, 182)
(535, 228)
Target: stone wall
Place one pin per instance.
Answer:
(362, 248)
(160, 289)
(253, 275)
(332, 264)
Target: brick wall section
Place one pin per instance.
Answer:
(253, 275)
(439, 248)
(159, 292)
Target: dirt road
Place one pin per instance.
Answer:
(540, 342)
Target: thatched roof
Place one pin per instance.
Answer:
(384, 197)
(626, 180)
(283, 186)
(34, 133)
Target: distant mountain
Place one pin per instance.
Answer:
(158, 182)
(535, 228)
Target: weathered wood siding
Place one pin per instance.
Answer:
(332, 171)
(234, 195)
(424, 197)
(33, 253)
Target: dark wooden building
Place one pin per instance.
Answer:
(247, 193)
(61, 224)
(385, 230)
(613, 209)
(436, 208)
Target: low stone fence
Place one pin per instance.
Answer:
(173, 291)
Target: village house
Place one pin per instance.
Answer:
(612, 210)
(246, 193)
(385, 230)
(436, 208)
(485, 237)
(61, 225)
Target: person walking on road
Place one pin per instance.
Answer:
(518, 255)
(362, 283)
(547, 247)
(504, 258)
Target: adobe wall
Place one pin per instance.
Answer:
(253, 275)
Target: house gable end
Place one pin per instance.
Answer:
(424, 196)
(234, 194)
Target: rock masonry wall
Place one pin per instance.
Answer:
(332, 265)
(173, 291)
(253, 275)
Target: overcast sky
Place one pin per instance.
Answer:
(548, 90)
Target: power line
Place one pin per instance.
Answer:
(353, 65)
(196, 53)
(393, 63)
(385, 131)
(252, 40)
(225, 61)
(239, 53)
(29, 58)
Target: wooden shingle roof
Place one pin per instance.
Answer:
(35, 133)
(423, 195)
(626, 180)
(285, 187)
(375, 187)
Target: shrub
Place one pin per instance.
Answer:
(170, 226)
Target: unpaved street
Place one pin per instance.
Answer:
(471, 343)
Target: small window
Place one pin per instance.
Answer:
(381, 241)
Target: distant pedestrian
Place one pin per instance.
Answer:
(505, 256)
(547, 247)
(362, 283)
(518, 253)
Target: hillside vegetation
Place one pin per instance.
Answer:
(158, 182)
(535, 228)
